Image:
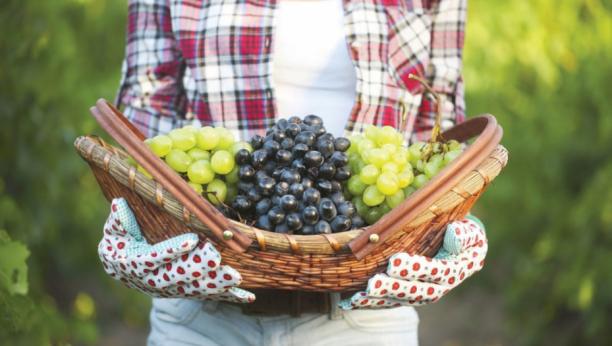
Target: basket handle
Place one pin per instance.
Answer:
(121, 130)
(490, 135)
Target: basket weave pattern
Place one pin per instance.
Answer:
(276, 261)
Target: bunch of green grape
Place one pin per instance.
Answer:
(385, 173)
(203, 157)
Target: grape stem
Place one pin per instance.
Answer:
(436, 135)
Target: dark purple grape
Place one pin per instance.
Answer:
(259, 175)
(301, 206)
(241, 203)
(294, 221)
(242, 157)
(293, 130)
(254, 195)
(282, 228)
(282, 124)
(327, 211)
(310, 215)
(271, 130)
(246, 173)
(266, 184)
(324, 137)
(288, 143)
(340, 223)
(346, 208)
(297, 190)
(338, 159)
(269, 167)
(342, 144)
(313, 120)
(318, 130)
(264, 223)
(244, 186)
(327, 171)
(290, 176)
(271, 147)
(269, 137)
(326, 148)
(288, 203)
(257, 142)
(336, 186)
(303, 127)
(276, 215)
(279, 136)
(298, 165)
(313, 173)
(307, 183)
(322, 227)
(281, 188)
(343, 174)
(263, 206)
(307, 230)
(259, 158)
(357, 221)
(337, 197)
(311, 196)
(278, 171)
(299, 150)
(294, 120)
(324, 186)
(283, 157)
(313, 159)
(306, 137)
(275, 199)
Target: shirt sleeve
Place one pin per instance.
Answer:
(151, 89)
(444, 69)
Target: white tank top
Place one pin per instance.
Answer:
(313, 72)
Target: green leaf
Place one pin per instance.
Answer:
(13, 267)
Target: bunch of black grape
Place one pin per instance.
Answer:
(293, 181)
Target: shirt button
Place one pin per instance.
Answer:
(355, 45)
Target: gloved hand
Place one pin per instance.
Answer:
(413, 280)
(181, 267)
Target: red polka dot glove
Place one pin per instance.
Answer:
(181, 267)
(413, 280)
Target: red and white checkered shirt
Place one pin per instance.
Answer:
(210, 63)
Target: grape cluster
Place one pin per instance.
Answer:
(385, 173)
(293, 180)
(203, 157)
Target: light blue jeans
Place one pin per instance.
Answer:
(187, 322)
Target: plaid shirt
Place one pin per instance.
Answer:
(210, 63)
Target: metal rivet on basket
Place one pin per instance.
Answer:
(227, 234)
(374, 238)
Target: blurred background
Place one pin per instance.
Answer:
(543, 68)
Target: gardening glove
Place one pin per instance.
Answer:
(413, 280)
(180, 267)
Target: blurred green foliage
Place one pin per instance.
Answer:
(542, 68)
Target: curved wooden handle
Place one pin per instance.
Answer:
(121, 130)
(490, 135)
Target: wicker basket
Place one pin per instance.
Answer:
(338, 262)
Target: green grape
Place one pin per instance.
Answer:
(201, 172)
(399, 159)
(347, 194)
(231, 192)
(198, 154)
(207, 138)
(355, 186)
(399, 139)
(416, 151)
(387, 183)
(378, 157)
(372, 197)
(178, 160)
(384, 207)
(431, 169)
(219, 187)
(131, 161)
(143, 171)
(405, 177)
(451, 155)
(182, 139)
(408, 191)
(366, 156)
(355, 139)
(403, 150)
(359, 165)
(420, 166)
(197, 187)
(390, 167)
(222, 162)
(240, 145)
(369, 174)
(364, 145)
(419, 181)
(160, 145)
(147, 141)
(360, 205)
(390, 148)
(437, 147)
(454, 145)
(373, 215)
(395, 199)
(385, 135)
(226, 138)
(353, 156)
(371, 133)
(191, 129)
(232, 177)
(438, 159)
